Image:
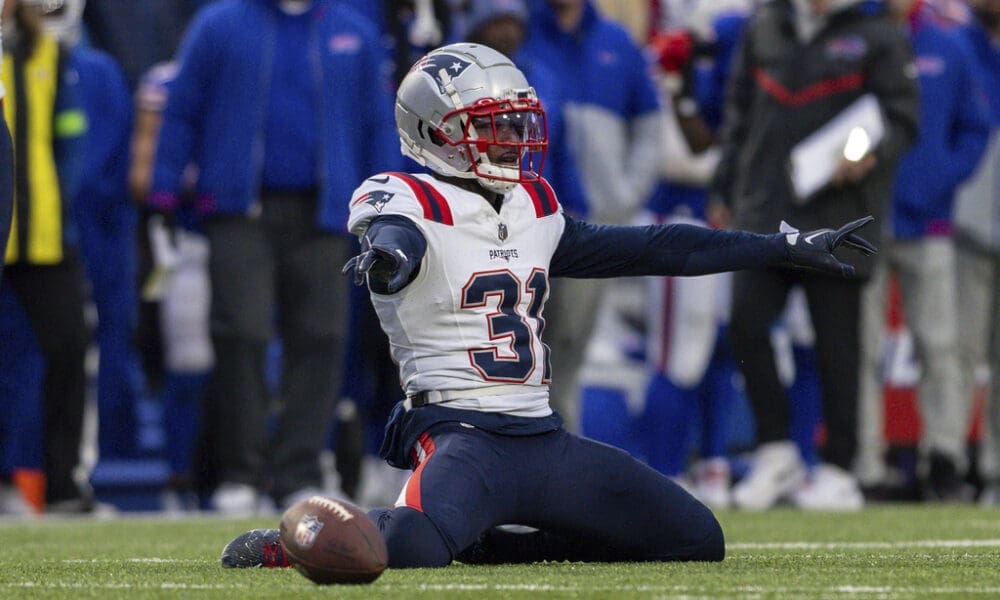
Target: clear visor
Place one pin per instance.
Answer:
(517, 127)
(510, 137)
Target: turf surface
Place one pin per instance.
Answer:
(888, 551)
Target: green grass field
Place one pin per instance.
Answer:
(888, 551)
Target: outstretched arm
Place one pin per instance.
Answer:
(597, 251)
(391, 251)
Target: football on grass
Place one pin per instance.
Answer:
(332, 541)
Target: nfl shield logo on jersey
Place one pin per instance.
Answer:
(502, 232)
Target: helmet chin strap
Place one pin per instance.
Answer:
(496, 185)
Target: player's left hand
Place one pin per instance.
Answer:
(387, 265)
(814, 249)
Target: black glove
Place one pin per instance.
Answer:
(814, 249)
(387, 266)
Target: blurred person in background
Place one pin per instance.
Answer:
(794, 343)
(6, 170)
(411, 28)
(107, 224)
(696, 387)
(918, 249)
(44, 269)
(800, 63)
(176, 286)
(138, 34)
(614, 375)
(977, 242)
(693, 389)
(503, 26)
(22, 434)
(11, 500)
(264, 104)
(613, 126)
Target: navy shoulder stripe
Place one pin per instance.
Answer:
(543, 197)
(434, 204)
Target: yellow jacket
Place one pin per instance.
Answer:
(39, 116)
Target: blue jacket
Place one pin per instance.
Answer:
(101, 208)
(560, 168)
(620, 84)
(603, 73)
(954, 128)
(986, 55)
(978, 213)
(215, 115)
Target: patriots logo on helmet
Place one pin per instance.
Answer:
(433, 64)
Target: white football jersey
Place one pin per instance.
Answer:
(472, 318)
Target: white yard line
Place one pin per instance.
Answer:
(540, 588)
(863, 545)
(55, 585)
(135, 560)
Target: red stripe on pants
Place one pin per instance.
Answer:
(413, 484)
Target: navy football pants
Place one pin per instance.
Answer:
(589, 500)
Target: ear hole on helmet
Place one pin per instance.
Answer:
(438, 138)
(428, 133)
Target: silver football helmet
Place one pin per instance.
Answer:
(465, 110)
(60, 18)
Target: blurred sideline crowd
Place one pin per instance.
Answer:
(172, 296)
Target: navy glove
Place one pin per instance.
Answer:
(814, 249)
(388, 266)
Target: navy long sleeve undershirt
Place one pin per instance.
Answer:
(596, 251)
(599, 251)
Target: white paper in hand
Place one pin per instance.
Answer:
(814, 160)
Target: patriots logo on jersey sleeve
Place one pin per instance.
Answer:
(433, 64)
(376, 198)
